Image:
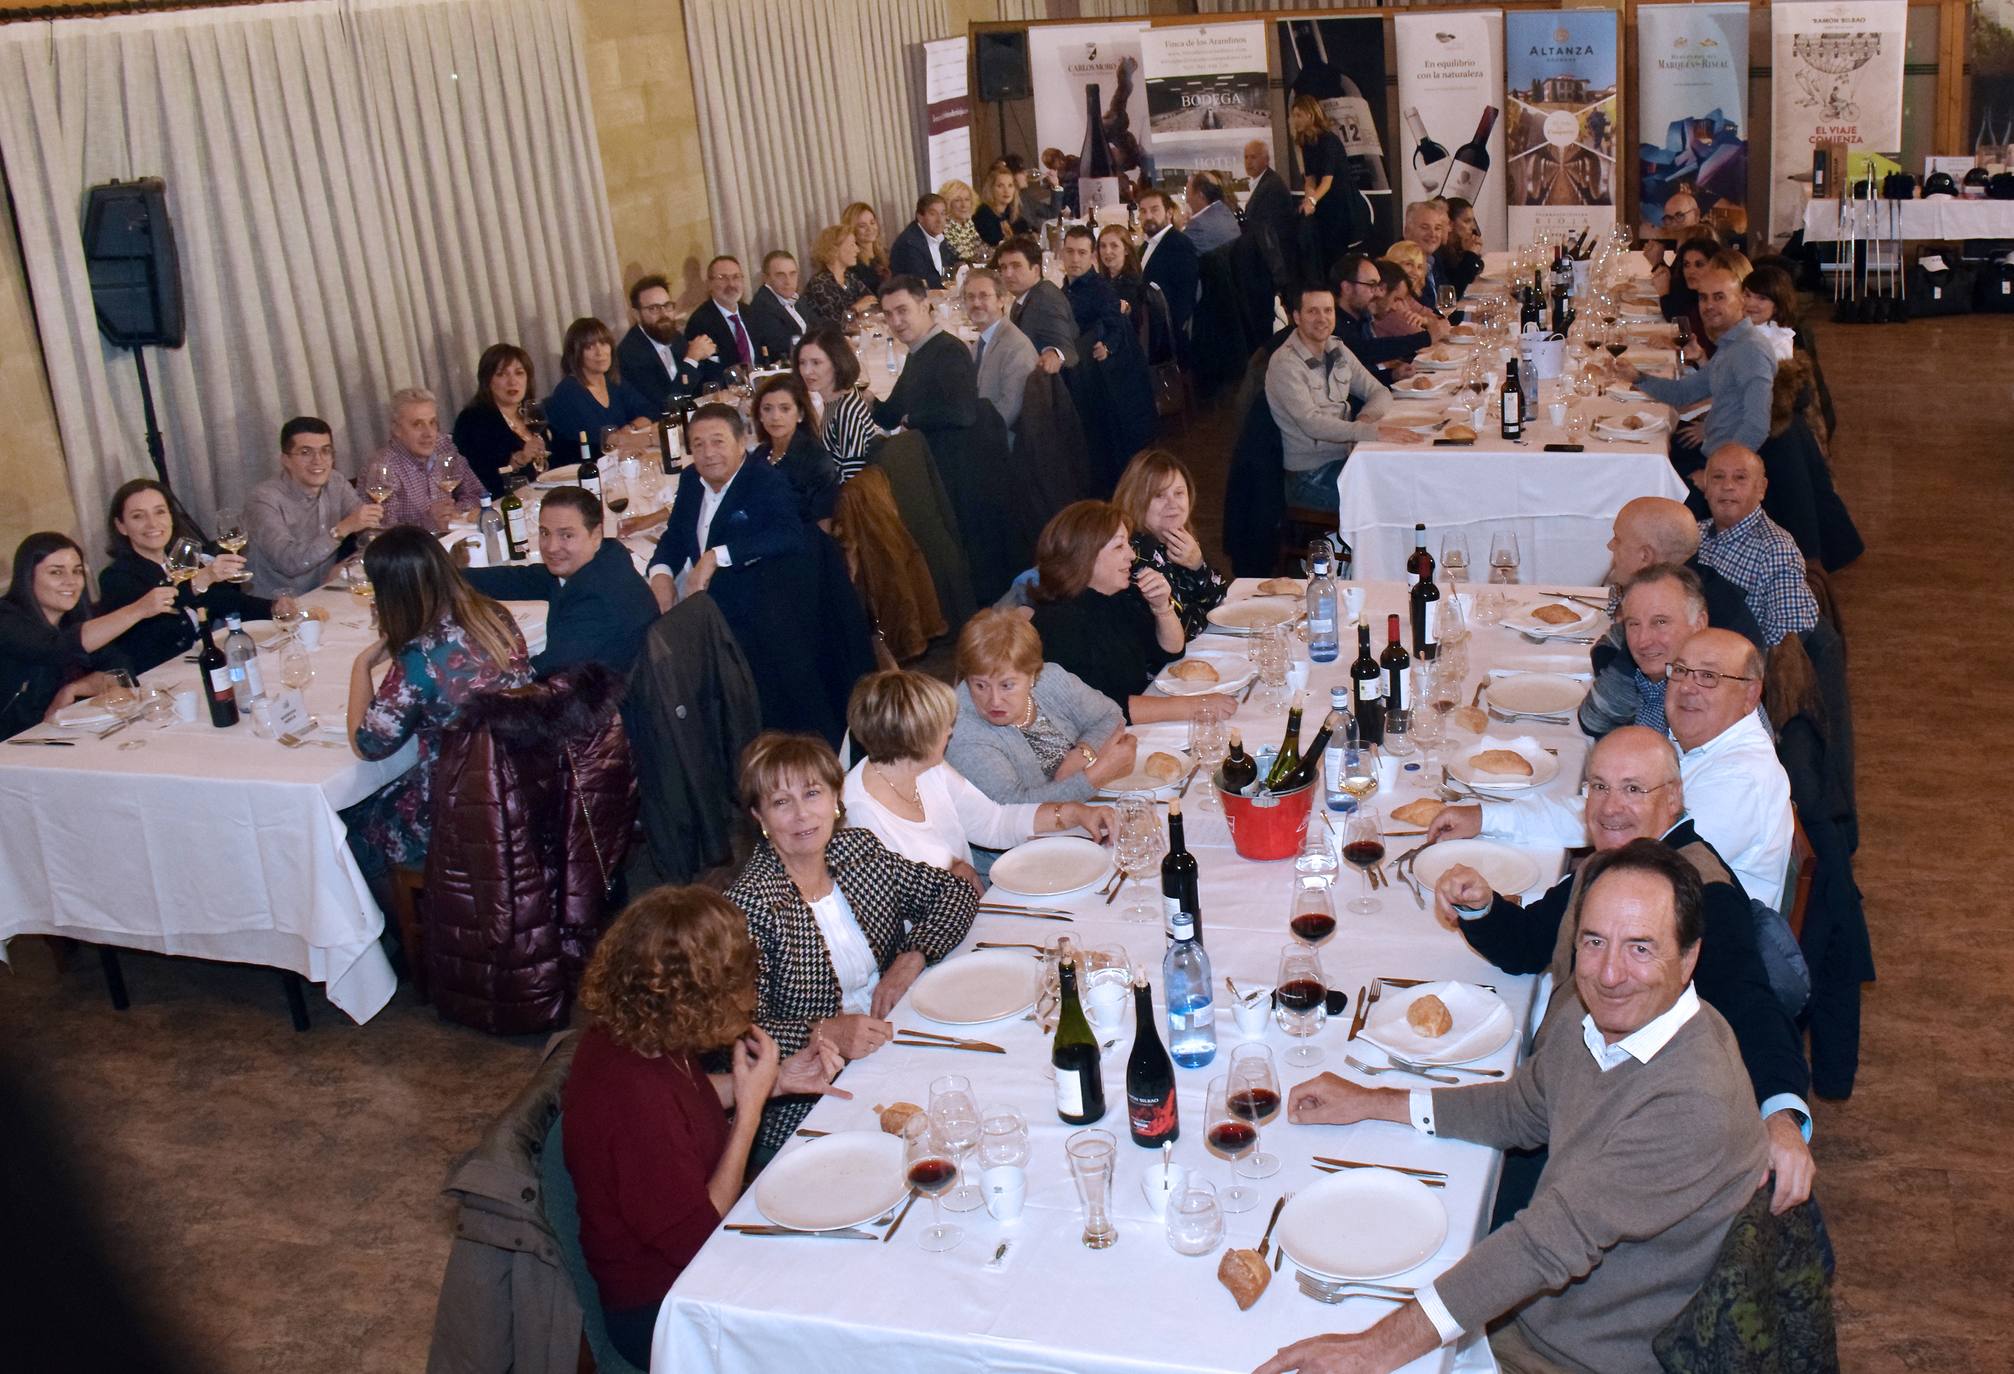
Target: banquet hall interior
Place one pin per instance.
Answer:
(308, 900)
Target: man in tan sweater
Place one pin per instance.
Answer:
(1654, 1138)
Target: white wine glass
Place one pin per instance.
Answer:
(378, 483)
(183, 560)
(120, 696)
(1455, 555)
(231, 538)
(1209, 741)
(297, 669)
(1503, 557)
(1137, 846)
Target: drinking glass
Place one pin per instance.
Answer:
(1137, 847)
(1003, 1138)
(1255, 1095)
(1399, 733)
(297, 670)
(378, 481)
(184, 559)
(1427, 724)
(1312, 917)
(120, 696)
(1272, 655)
(1576, 422)
(1230, 1137)
(446, 477)
(1092, 1155)
(157, 706)
(231, 538)
(614, 492)
(1303, 996)
(1209, 741)
(1364, 850)
(956, 1113)
(1195, 1220)
(1455, 555)
(1503, 557)
(931, 1168)
(1444, 299)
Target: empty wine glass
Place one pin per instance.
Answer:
(1106, 989)
(1137, 846)
(1254, 1094)
(1503, 557)
(1093, 1155)
(1209, 741)
(120, 696)
(231, 538)
(1003, 1138)
(1576, 422)
(931, 1168)
(956, 1113)
(1444, 300)
(1302, 992)
(1230, 1137)
(1364, 850)
(297, 669)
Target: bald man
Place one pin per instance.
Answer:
(1635, 791)
(1741, 543)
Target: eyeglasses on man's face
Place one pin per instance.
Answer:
(1633, 791)
(1707, 678)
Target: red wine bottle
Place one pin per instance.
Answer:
(1150, 1076)
(1512, 402)
(1080, 1086)
(1472, 161)
(215, 671)
(1419, 563)
(1239, 772)
(1426, 608)
(1367, 684)
(1097, 177)
(1178, 877)
(1395, 661)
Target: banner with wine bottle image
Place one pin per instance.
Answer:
(1206, 96)
(1341, 63)
(1837, 79)
(1692, 114)
(1560, 120)
(1091, 114)
(1451, 81)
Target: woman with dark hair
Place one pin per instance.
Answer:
(592, 396)
(492, 432)
(53, 651)
(655, 1158)
(841, 410)
(1112, 625)
(784, 440)
(1769, 296)
(446, 642)
(842, 926)
(1156, 499)
(143, 521)
(1460, 259)
(1678, 298)
(1328, 189)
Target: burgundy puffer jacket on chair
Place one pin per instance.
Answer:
(534, 802)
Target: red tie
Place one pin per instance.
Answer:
(741, 344)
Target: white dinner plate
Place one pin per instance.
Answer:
(1254, 613)
(1435, 386)
(1524, 622)
(1413, 421)
(1622, 392)
(1440, 359)
(1462, 338)
(1544, 767)
(1507, 870)
(1141, 781)
(986, 985)
(1537, 694)
(1651, 427)
(1363, 1224)
(1482, 1023)
(1052, 866)
(837, 1180)
(1234, 670)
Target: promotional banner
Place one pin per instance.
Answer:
(948, 112)
(1341, 63)
(1206, 96)
(1837, 78)
(1451, 81)
(1692, 115)
(1090, 108)
(1560, 120)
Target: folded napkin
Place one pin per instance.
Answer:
(1480, 1021)
(84, 715)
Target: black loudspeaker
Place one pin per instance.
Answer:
(1003, 66)
(129, 249)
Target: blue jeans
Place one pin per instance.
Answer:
(1316, 488)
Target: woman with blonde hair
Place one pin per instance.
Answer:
(832, 290)
(998, 217)
(655, 1158)
(869, 271)
(919, 805)
(960, 201)
(1156, 497)
(1402, 306)
(1328, 190)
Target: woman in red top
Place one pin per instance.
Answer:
(656, 1161)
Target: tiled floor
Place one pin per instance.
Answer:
(278, 1193)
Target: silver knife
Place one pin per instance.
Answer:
(844, 1233)
(113, 730)
(53, 743)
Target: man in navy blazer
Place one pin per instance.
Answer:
(654, 357)
(920, 249)
(598, 607)
(1169, 260)
(721, 317)
(728, 513)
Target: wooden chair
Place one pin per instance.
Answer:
(409, 892)
(1802, 869)
(1301, 526)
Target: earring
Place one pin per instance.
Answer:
(837, 812)
(765, 832)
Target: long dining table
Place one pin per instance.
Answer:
(1026, 1294)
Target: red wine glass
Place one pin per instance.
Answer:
(1230, 1137)
(1303, 996)
(1364, 850)
(931, 1167)
(1254, 1095)
(1314, 918)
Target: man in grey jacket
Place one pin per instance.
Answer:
(1041, 310)
(1002, 352)
(1324, 401)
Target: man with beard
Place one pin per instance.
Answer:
(654, 357)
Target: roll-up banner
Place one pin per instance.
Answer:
(1451, 139)
(1560, 120)
(1836, 78)
(1206, 96)
(1692, 116)
(1088, 75)
(1341, 63)
(948, 111)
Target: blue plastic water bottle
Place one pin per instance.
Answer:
(1323, 631)
(1192, 1011)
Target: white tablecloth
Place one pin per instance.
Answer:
(1941, 217)
(756, 1304)
(216, 844)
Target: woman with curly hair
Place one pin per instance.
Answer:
(655, 1158)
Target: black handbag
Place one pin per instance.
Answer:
(1993, 289)
(1898, 186)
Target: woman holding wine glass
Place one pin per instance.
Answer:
(53, 651)
(832, 292)
(155, 546)
(494, 431)
(592, 395)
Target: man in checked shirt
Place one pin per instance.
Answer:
(1743, 545)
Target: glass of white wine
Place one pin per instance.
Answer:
(441, 468)
(378, 482)
(231, 538)
(183, 560)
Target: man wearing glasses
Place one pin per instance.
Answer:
(1359, 298)
(296, 523)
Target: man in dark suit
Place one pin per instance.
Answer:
(1169, 260)
(1270, 205)
(920, 250)
(720, 317)
(939, 385)
(1359, 288)
(774, 319)
(598, 608)
(1212, 223)
(727, 515)
(1041, 310)
(654, 357)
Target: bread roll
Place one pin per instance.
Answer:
(1279, 586)
(1244, 1272)
(1556, 614)
(1471, 718)
(1460, 433)
(1163, 767)
(1420, 812)
(894, 1118)
(1507, 762)
(1428, 1016)
(1193, 670)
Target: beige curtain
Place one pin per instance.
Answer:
(365, 194)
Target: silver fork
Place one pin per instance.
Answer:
(1418, 1066)
(1333, 1293)
(1374, 1070)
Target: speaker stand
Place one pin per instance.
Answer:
(155, 449)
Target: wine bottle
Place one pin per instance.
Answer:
(1150, 1076)
(1370, 690)
(1238, 772)
(1080, 1087)
(1289, 757)
(1426, 608)
(1513, 402)
(215, 671)
(1472, 161)
(1323, 642)
(1394, 660)
(490, 527)
(1192, 1008)
(515, 535)
(1311, 757)
(1430, 159)
(1419, 563)
(1178, 878)
(589, 476)
(1097, 178)
(1342, 102)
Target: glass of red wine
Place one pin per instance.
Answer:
(931, 1166)
(1314, 918)
(1303, 996)
(1231, 1137)
(1254, 1095)
(1364, 850)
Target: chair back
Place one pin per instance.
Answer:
(887, 566)
(1254, 494)
(928, 515)
(562, 1214)
(1050, 453)
(1798, 882)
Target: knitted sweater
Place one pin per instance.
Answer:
(1649, 1165)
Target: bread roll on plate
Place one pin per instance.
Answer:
(1428, 1016)
(1193, 670)
(1506, 762)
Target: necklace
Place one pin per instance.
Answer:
(1028, 716)
(915, 797)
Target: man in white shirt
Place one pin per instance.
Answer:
(1002, 352)
(739, 512)
(1169, 260)
(773, 317)
(720, 317)
(919, 250)
(655, 358)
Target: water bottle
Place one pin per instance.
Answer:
(1192, 1012)
(241, 659)
(489, 524)
(1334, 797)
(1323, 643)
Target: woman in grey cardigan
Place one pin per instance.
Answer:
(1030, 731)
